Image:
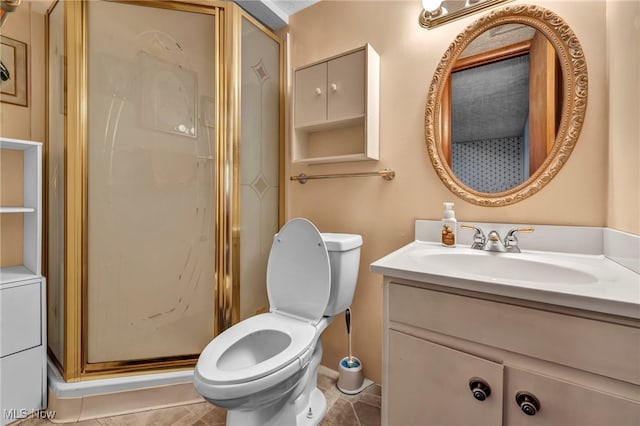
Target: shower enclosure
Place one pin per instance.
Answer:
(165, 133)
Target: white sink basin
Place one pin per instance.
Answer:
(583, 281)
(503, 266)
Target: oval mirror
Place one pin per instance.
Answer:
(506, 105)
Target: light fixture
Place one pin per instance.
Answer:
(433, 8)
(7, 6)
(438, 12)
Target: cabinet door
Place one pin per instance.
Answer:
(429, 385)
(563, 403)
(346, 86)
(21, 384)
(311, 95)
(20, 318)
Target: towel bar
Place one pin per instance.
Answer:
(386, 174)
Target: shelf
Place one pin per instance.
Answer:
(17, 209)
(12, 274)
(332, 124)
(334, 159)
(19, 145)
(20, 209)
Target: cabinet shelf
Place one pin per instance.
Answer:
(332, 124)
(17, 209)
(21, 194)
(11, 274)
(334, 159)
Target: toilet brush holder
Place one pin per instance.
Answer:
(350, 377)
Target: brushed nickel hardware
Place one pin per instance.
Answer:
(528, 403)
(386, 174)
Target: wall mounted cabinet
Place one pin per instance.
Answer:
(337, 107)
(22, 289)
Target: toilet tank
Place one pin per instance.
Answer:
(344, 257)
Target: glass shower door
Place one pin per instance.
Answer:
(151, 168)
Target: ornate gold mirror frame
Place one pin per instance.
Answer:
(574, 94)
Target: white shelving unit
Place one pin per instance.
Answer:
(23, 374)
(337, 108)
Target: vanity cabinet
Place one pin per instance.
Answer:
(457, 357)
(23, 374)
(341, 92)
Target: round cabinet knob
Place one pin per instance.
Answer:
(318, 91)
(528, 403)
(479, 388)
(334, 87)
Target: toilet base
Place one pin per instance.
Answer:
(291, 411)
(283, 414)
(315, 411)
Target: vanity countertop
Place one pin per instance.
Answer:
(590, 282)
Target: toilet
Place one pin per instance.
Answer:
(264, 369)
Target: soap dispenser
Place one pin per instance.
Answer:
(449, 226)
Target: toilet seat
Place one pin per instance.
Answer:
(302, 336)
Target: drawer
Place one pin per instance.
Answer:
(20, 318)
(600, 347)
(21, 384)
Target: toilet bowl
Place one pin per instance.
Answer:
(264, 369)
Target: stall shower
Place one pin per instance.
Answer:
(164, 184)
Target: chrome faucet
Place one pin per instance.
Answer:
(478, 238)
(511, 242)
(493, 242)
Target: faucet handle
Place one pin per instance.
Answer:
(478, 238)
(511, 241)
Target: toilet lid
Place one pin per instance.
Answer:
(298, 271)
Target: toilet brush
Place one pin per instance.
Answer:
(350, 378)
(347, 316)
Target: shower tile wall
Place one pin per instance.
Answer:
(502, 161)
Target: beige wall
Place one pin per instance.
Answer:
(384, 212)
(623, 56)
(26, 24)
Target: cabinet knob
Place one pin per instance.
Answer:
(318, 91)
(479, 388)
(528, 403)
(334, 87)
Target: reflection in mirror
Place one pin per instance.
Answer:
(506, 105)
(503, 109)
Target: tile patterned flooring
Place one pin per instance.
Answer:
(343, 410)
